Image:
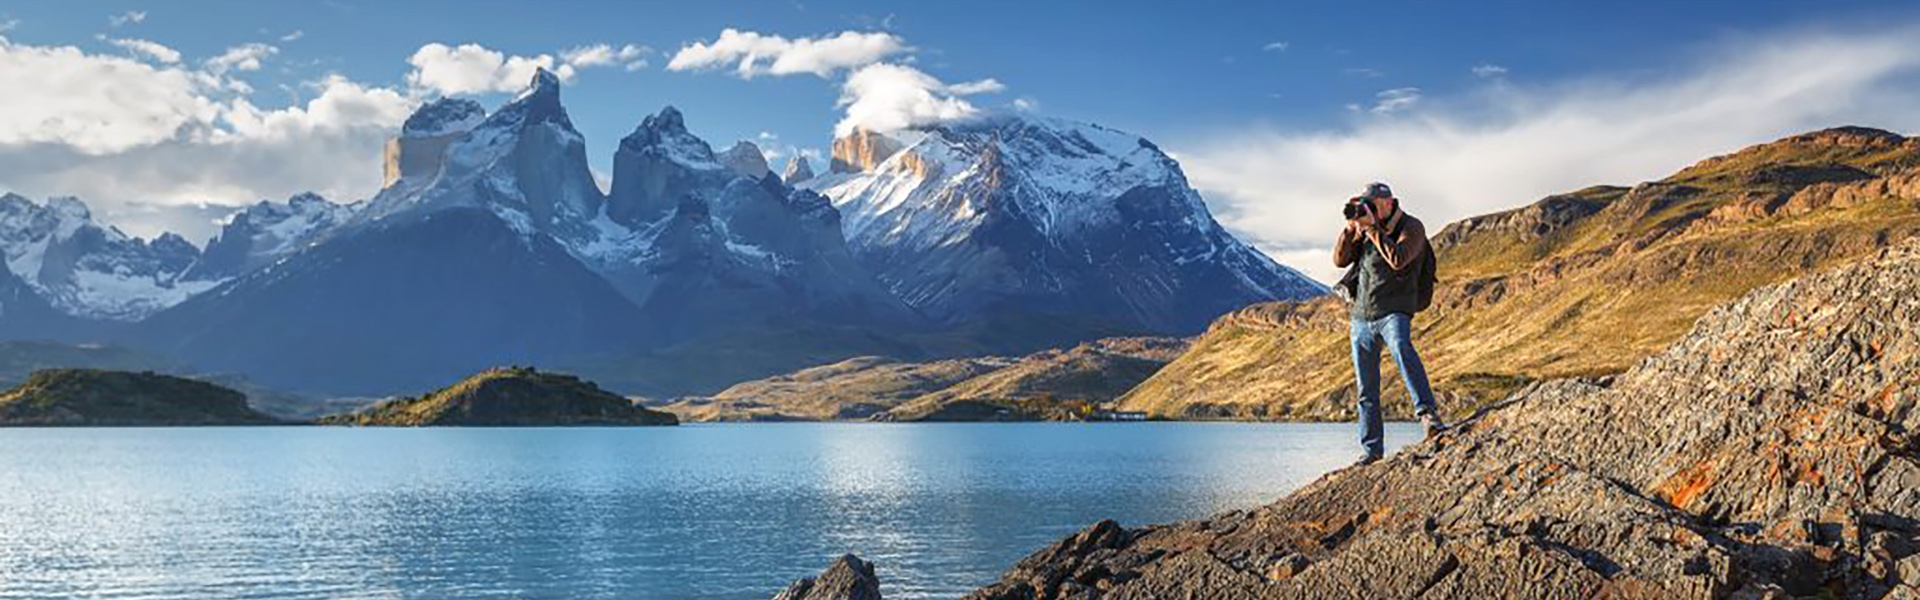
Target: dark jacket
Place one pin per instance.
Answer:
(1382, 277)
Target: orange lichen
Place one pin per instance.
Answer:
(1681, 489)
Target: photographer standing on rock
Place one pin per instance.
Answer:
(1390, 276)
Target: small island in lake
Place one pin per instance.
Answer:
(505, 397)
(94, 397)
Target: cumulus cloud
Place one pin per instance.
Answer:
(165, 146)
(630, 56)
(753, 53)
(1504, 146)
(244, 57)
(473, 69)
(94, 103)
(889, 97)
(1489, 71)
(156, 50)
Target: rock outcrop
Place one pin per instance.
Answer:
(97, 398)
(848, 578)
(511, 396)
(1769, 453)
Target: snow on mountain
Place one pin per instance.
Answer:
(92, 271)
(798, 171)
(1043, 214)
(727, 244)
(266, 232)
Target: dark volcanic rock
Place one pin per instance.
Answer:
(848, 578)
(1771, 451)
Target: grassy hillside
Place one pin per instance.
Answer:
(855, 388)
(1054, 384)
(92, 397)
(709, 365)
(1046, 384)
(1584, 283)
(509, 397)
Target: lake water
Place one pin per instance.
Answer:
(700, 511)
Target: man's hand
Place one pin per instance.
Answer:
(1355, 227)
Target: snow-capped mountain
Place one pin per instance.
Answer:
(266, 232)
(492, 245)
(727, 244)
(463, 261)
(92, 271)
(798, 171)
(1047, 215)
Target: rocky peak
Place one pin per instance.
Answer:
(798, 170)
(543, 84)
(444, 116)
(746, 159)
(861, 151)
(70, 207)
(659, 163)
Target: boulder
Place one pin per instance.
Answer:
(848, 578)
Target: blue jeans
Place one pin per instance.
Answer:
(1396, 332)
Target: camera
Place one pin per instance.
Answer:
(1356, 207)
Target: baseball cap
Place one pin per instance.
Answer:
(1377, 190)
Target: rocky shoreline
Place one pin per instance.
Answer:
(1769, 453)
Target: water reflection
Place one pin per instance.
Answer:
(693, 512)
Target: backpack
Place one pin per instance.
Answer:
(1426, 274)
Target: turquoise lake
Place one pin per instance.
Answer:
(699, 511)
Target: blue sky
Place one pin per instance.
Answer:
(1226, 87)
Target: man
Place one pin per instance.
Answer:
(1382, 248)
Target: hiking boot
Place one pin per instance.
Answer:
(1367, 459)
(1432, 424)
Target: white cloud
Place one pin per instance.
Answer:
(1395, 100)
(7, 25)
(293, 35)
(1505, 146)
(1276, 47)
(753, 53)
(630, 56)
(1026, 104)
(158, 51)
(888, 97)
(165, 146)
(984, 86)
(473, 69)
(244, 57)
(94, 103)
(1489, 71)
(125, 18)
